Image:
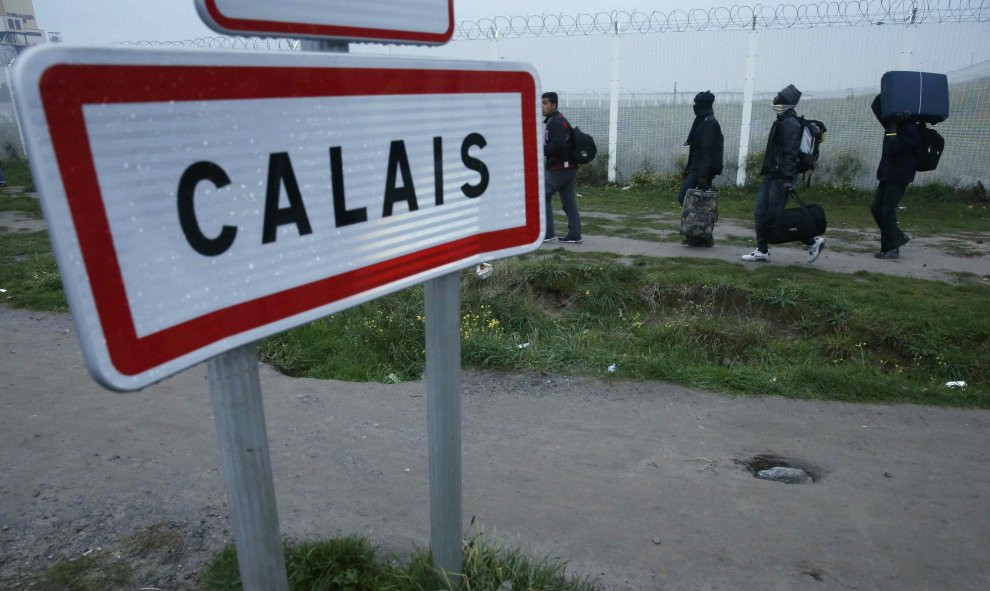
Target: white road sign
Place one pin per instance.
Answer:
(395, 21)
(201, 201)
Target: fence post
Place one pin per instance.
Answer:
(613, 108)
(747, 111)
(495, 35)
(908, 43)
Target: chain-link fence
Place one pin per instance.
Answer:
(651, 66)
(646, 68)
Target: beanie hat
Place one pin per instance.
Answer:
(706, 97)
(790, 95)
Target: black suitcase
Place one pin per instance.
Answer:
(797, 224)
(920, 96)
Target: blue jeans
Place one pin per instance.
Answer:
(3, 179)
(562, 181)
(689, 183)
(770, 201)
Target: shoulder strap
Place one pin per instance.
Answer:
(797, 198)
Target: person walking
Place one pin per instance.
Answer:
(779, 172)
(560, 170)
(705, 146)
(898, 163)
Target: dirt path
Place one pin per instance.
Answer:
(633, 482)
(847, 250)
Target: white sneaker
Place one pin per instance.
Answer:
(756, 257)
(815, 249)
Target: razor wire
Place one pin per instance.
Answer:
(856, 13)
(760, 16)
(222, 42)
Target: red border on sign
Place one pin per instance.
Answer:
(66, 88)
(336, 31)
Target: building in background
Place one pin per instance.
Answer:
(18, 27)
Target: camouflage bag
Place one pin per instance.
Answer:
(699, 216)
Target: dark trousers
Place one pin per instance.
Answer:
(689, 183)
(884, 210)
(770, 201)
(562, 181)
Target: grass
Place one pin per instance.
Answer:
(794, 332)
(28, 272)
(18, 174)
(87, 573)
(351, 563)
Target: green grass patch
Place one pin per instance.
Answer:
(788, 331)
(28, 272)
(352, 563)
(18, 174)
(20, 203)
(87, 573)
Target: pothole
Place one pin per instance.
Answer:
(780, 469)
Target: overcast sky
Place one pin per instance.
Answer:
(97, 22)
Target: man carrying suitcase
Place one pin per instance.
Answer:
(898, 163)
(705, 147)
(779, 173)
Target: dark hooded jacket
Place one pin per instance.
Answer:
(781, 156)
(557, 142)
(899, 159)
(706, 143)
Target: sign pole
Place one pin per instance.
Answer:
(247, 470)
(443, 420)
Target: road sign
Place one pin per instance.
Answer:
(392, 21)
(200, 201)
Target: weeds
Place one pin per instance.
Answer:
(351, 563)
(700, 323)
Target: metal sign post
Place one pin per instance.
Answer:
(247, 470)
(443, 421)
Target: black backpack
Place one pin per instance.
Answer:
(930, 146)
(582, 146)
(812, 135)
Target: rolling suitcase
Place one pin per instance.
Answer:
(698, 216)
(919, 96)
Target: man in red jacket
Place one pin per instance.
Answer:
(560, 170)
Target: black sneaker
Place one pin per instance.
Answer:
(549, 238)
(893, 253)
(572, 239)
(904, 240)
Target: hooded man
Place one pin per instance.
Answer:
(779, 172)
(705, 146)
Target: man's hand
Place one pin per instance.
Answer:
(702, 183)
(788, 187)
